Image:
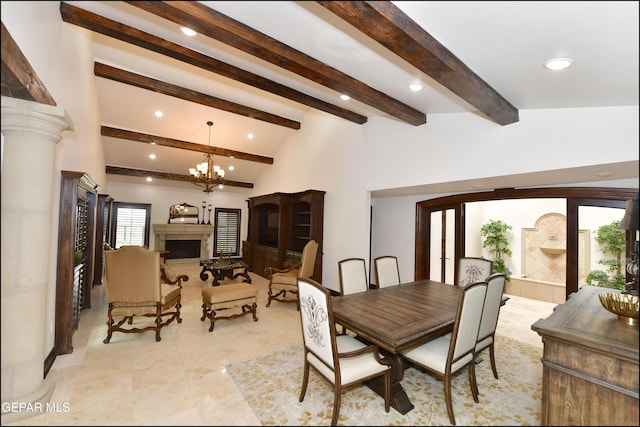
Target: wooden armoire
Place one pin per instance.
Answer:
(280, 225)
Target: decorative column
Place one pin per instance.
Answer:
(31, 131)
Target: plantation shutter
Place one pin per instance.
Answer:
(131, 226)
(227, 232)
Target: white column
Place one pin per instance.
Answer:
(30, 132)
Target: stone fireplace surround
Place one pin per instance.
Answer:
(201, 232)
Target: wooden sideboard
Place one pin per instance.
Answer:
(590, 364)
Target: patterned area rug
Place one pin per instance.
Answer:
(271, 385)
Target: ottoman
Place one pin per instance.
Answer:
(226, 297)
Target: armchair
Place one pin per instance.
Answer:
(285, 280)
(136, 285)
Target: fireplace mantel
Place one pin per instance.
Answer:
(164, 232)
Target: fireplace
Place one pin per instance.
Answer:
(186, 242)
(180, 249)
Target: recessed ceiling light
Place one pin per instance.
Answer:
(159, 113)
(345, 97)
(249, 136)
(415, 87)
(187, 31)
(558, 63)
(604, 174)
(231, 167)
(152, 156)
(149, 179)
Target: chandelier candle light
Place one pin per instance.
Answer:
(206, 175)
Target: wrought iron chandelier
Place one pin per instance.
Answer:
(206, 175)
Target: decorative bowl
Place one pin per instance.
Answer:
(624, 305)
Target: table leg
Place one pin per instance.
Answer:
(399, 399)
(217, 275)
(203, 274)
(244, 273)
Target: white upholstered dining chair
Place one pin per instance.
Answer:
(450, 353)
(473, 269)
(489, 321)
(353, 276)
(342, 360)
(387, 272)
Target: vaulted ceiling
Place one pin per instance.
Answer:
(257, 67)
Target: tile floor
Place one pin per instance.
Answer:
(181, 380)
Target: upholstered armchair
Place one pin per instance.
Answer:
(285, 281)
(136, 285)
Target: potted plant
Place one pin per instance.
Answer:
(611, 239)
(495, 238)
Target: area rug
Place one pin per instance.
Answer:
(271, 385)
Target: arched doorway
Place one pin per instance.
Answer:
(440, 226)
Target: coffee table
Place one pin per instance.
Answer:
(222, 269)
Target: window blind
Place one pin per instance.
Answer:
(227, 232)
(130, 226)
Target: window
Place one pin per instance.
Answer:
(227, 232)
(131, 225)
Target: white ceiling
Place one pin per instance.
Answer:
(503, 42)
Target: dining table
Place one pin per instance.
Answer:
(396, 318)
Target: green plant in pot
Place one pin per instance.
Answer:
(495, 239)
(612, 240)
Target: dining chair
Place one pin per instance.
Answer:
(342, 360)
(473, 269)
(285, 281)
(387, 272)
(352, 273)
(452, 352)
(489, 321)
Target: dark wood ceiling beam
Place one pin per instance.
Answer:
(99, 24)
(389, 26)
(19, 79)
(116, 170)
(215, 25)
(122, 76)
(184, 145)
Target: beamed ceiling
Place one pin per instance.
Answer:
(259, 67)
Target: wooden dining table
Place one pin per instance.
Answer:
(397, 318)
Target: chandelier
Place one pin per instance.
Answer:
(206, 175)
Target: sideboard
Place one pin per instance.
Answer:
(589, 364)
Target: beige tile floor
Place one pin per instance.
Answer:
(181, 380)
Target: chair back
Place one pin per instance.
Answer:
(132, 275)
(317, 319)
(492, 301)
(353, 276)
(473, 269)
(467, 324)
(387, 272)
(308, 259)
